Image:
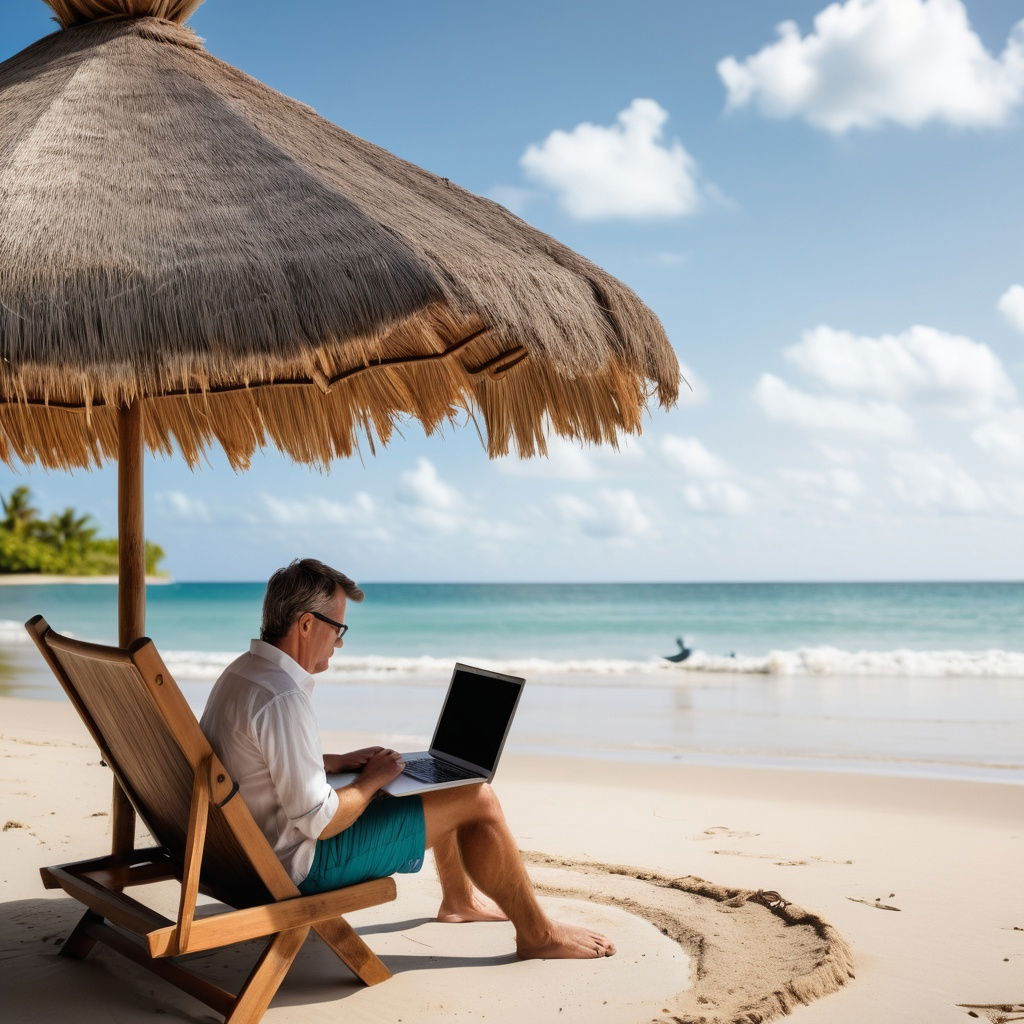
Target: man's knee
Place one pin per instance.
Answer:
(478, 802)
(487, 800)
(463, 805)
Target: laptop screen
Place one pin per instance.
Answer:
(476, 716)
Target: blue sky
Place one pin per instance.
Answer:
(826, 217)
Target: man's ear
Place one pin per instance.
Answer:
(305, 621)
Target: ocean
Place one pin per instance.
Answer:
(905, 678)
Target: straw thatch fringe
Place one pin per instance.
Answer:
(823, 966)
(171, 227)
(78, 12)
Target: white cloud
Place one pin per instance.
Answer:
(840, 456)
(846, 482)
(723, 497)
(565, 460)
(631, 449)
(361, 515)
(180, 505)
(836, 487)
(918, 361)
(689, 455)
(622, 170)
(616, 515)
(512, 197)
(868, 62)
(1011, 305)
(570, 460)
(934, 482)
(1002, 437)
(694, 391)
(1009, 495)
(785, 404)
(422, 486)
(436, 507)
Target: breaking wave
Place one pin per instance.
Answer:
(816, 661)
(205, 666)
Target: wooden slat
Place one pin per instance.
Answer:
(114, 906)
(110, 861)
(139, 874)
(122, 821)
(79, 943)
(195, 839)
(353, 952)
(117, 876)
(240, 925)
(266, 978)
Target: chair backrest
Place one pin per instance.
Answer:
(152, 742)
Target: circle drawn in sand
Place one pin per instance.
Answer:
(754, 955)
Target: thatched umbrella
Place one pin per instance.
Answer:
(188, 257)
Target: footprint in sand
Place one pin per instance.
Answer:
(723, 831)
(876, 903)
(995, 1013)
(778, 859)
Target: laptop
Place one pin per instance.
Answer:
(468, 739)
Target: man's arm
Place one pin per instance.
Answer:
(350, 762)
(381, 767)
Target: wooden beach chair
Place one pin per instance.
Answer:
(206, 840)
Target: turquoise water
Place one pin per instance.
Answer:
(560, 622)
(914, 678)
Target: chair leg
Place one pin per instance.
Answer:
(266, 977)
(352, 951)
(78, 945)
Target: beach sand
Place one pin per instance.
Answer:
(617, 846)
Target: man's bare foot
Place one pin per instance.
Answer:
(567, 942)
(475, 910)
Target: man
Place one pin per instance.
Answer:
(260, 721)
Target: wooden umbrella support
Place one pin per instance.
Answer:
(131, 589)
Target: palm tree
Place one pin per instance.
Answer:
(19, 513)
(69, 529)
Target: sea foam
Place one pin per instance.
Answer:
(205, 666)
(816, 661)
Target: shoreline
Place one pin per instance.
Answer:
(968, 731)
(28, 579)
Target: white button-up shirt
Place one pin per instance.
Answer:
(260, 721)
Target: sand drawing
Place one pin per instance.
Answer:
(754, 956)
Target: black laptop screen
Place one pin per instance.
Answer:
(475, 717)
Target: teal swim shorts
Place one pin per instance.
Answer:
(389, 836)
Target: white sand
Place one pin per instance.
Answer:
(947, 854)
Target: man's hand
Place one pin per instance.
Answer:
(350, 762)
(382, 767)
(379, 765)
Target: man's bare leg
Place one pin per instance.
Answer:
(459, 902)
(491, 859)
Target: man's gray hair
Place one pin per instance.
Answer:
(307, 585)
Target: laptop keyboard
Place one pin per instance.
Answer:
(428, 769)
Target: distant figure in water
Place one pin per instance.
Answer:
(684, 651)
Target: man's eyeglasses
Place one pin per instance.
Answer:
(339, 626)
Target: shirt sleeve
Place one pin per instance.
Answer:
(287, 733)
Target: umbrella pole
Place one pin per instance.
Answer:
(131, 543)
(131, 579)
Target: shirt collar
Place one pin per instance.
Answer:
(301, 678)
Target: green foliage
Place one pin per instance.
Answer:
(63, 545)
